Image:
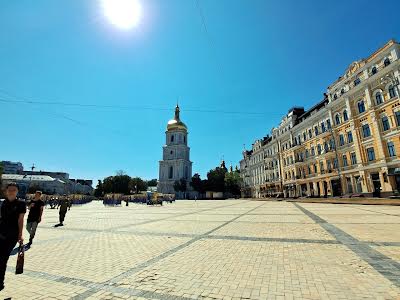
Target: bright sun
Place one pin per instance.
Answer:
(124, 14)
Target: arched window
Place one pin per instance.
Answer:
(392, 92)
(374, 70)
(335, 97)
(342, 91)
(361, 106)
(378, 98)
(337, 119)
(184, 139)
(387, 62)
(171, 172)
(345, 116)
(385, 123)
(172, 138)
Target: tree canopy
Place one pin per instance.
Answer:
(120, 184)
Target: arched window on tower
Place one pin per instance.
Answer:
(172, 138)
(345, 116)
(184, 139)
(171, 172)
(386, 62)
(337, 119)
(392, 92)
(378, 98)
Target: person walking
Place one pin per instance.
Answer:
(63, 205)
(35, 215)
(12, 214)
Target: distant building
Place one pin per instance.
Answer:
(10, 167)
(59, 175)
(347, 143)
(176, 164)
(47, 184)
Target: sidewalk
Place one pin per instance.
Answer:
(336, 200)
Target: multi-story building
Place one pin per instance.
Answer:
(348, 143)
(10, 167)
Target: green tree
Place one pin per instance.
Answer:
(233, 182)
(98, 192)
(117, 184)
(198, 184)
(152, 182)
(181, 186)
(216, 179)
(137, 185)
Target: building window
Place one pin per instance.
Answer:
(172, 138)
(374, 71)
(397, 113)
(357, 82)
(371, 154)
(385, 123)
(315, 168)
(386, 62)
(321, 166)
(353, 158)
(349, 137)
(309, 133)
(366, 131)
(378, 98)
(332, 144)
(342, 91)
(323, 127)
(345, 164)
(171, 172)
(319, 149)
(345, 116)
(335, 97)
(341, 140)
(312, 151)
(337, 119)
(392, 92)
(326, 147)
(361, 107)
(329, 165)
(335, 163)
(307, 154)
(316, 130)
(184, 139)
(304, 136)
(391, 150)
(328, 123)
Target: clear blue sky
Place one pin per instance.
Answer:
(260, 56)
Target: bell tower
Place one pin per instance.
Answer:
(176, 163)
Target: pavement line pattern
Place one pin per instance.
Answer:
(176, 249)
(94, 287)
(110, 285)
(383, 264)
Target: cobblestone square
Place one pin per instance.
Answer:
(233, 249)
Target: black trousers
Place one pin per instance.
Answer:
(62, 216)
(6, 246)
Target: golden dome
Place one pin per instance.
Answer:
(176, 123)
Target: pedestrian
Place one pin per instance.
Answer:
(35, 215)
(63, 205)
(12, 214)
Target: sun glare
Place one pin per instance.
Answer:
(124, 14)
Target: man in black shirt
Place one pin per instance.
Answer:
(35, 215)
(12, 213)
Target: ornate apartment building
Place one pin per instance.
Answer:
(348, 143)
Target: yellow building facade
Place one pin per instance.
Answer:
(347, 144)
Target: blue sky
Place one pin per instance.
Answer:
(259, 56)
